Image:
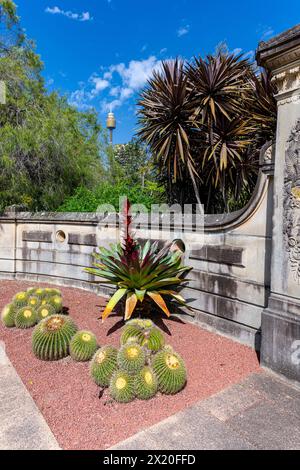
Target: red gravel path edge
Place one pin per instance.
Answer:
(68, 398)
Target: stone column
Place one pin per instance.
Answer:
(280, 348)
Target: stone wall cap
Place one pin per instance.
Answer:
(273, 53)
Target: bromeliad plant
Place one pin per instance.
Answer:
(140, 273)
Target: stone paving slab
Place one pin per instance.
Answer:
(262, 412)
(22, 425)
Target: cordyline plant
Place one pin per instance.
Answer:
(140, 273)
(202, 119)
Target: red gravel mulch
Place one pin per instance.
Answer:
(68, 398)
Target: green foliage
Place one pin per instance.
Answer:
(145, 383)
(122, 387)
(103, 365)
(87, 200)
(48, 148)
(51, 337)
(145, 272)
(8, 316)
(45, 311)
(25, 317)
(83, 346)
(205, 122)
(131, 358)
(170, 371)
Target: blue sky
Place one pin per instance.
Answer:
(100, 52)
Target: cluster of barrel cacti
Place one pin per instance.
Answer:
(29, 307)
(142, 366)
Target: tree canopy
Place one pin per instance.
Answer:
(47, 147)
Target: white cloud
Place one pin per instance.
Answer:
(183, 30)
(119, 81)
(136, 74)
(100, 83)
(84, 16)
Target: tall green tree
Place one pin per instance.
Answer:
(47, 148)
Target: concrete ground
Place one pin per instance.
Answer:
(261, 412)
(22, 427)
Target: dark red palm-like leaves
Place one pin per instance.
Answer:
(129, 244)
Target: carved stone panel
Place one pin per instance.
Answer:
(291, 202)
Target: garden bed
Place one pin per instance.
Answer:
(68, 398)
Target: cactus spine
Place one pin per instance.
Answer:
(8, 316)
(83, 346)
(103, 365)
(122, 387)
(170, 371)
(51, 337)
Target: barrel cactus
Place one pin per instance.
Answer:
(170, 371)
(131, 332)
(153, 339)
(144, 333)
(8, 316)
(51, 337)
(44, 311)
(145, 383)
(50, 292)
(20, 299)
(34, 301)
(131, 358)
(121, 387)
(25, 317)
(83, 346)
(56, 302)
(103, 365)
(39, 292)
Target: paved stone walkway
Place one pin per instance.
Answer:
(262, 412)
(22, 426)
